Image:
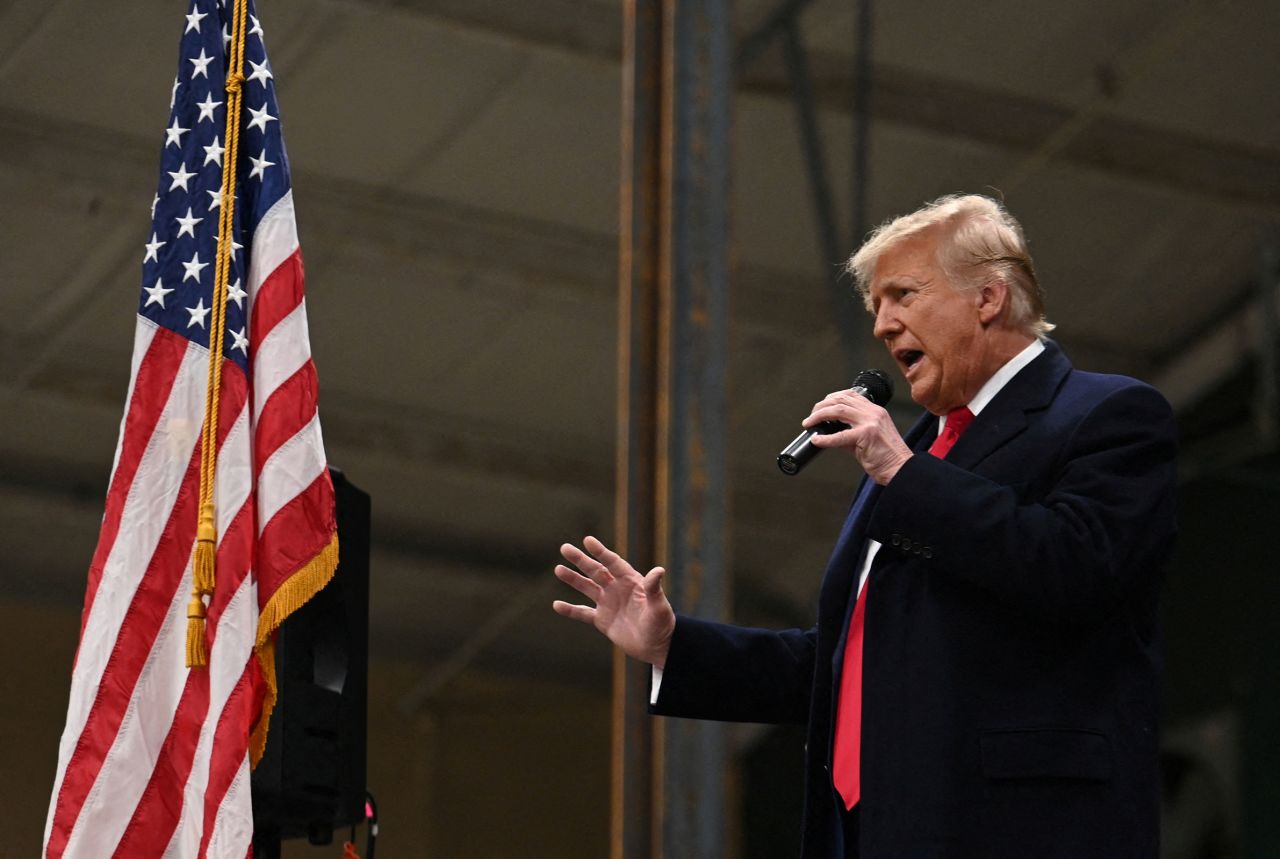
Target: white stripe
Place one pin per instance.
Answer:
(146, 511)
(291, 469)
(232, 650)
(281, 353)
(127, 768)
(234, 478)
(233, 825)
(274, 240)
(143, 333)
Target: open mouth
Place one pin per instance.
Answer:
(908, 358)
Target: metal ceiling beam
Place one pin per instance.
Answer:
(1227, 172)
(375, 219)
(1231, 173)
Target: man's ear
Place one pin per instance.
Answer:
(993, 299)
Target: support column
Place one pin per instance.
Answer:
(668, 785)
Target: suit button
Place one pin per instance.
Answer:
(928, 551)
(917, 549)
(897, 540)
(906, 545)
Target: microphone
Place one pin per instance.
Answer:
(875, 385)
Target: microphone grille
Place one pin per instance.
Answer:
(877, 384)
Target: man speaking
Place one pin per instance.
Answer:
(982, 679)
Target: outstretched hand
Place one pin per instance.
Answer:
(630, 609)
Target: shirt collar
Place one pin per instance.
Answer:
(999, 379)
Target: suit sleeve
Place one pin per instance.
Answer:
(737, 674)
(1102, 526)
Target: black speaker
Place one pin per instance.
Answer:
(311, 779)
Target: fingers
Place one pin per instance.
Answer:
(582, 613)
(602, 553)
(844, 438)
(653, 582)
(579, 582)
(841, 406)
(587, 565)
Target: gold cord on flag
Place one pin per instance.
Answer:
(207, 528)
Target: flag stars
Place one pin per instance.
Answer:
(173, 134)
(260, 72)
(236, 294)
(180, 178)
(215, 199)
(260, 165)
(257, 28)
(188, 224)
(193, 268)
(173, 96)
(198, 313)
(155, 201)
(156, 294)
(207, 106)
(261, 118)
(152, 247)
(213, 152)
(226, 38)
(193, 21)
(201, 64)
(239, 341)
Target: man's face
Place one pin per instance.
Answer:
(932, 330)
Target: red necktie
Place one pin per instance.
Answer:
(957, 421)
(847, 755)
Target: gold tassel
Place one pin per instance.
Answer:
(201, 584)
(206, 548)
(196, 656)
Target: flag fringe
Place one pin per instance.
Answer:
(288, 598)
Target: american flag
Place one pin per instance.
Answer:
(155, 757)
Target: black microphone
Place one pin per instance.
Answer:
(875, 385)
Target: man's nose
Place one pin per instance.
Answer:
(886, 321)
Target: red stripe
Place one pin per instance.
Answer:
(230, 746)
(160, 808)
(290, 407)
(138, 631)
(151, 388)
(295, 535)
(277, 297)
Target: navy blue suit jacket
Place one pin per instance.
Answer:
(1011, 659)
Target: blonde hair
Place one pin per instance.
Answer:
(979, 241)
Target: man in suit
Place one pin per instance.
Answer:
(982, 679)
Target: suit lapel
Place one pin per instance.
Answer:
(1005, 417)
